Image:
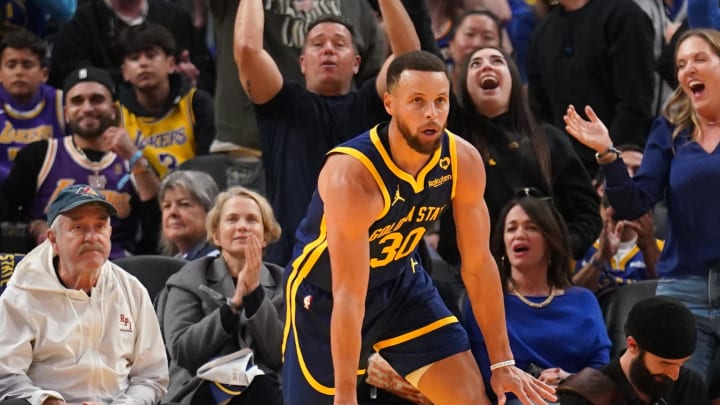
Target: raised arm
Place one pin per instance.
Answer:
(259, 74)
(401, 36)
(352, 202)
(482, 278)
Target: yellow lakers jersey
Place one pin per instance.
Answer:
(166, 141)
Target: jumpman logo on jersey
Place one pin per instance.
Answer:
(413, 263)
(397, 197)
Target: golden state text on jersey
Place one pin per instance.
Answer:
(411, 205)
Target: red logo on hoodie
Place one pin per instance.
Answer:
(125, 324)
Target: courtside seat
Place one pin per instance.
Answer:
(215, 165)
(152, 270)
(617, 307)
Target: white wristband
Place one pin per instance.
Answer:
(501, 364)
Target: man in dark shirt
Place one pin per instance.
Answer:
(299, 125)
(661, 336)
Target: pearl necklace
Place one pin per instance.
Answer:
(529, 303)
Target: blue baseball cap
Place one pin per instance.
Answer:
(74, 196)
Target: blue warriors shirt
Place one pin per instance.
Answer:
(411, 205)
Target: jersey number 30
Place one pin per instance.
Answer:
(395, 246)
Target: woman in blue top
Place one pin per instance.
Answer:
(555, 329)
(681, 163)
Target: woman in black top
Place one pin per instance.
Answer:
(518, 152)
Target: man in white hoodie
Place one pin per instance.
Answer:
(76, 328)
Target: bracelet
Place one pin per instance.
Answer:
(228, 302)
(136, 157)
(610, 149)
(596, 263)
(501, 364)
(144, 167)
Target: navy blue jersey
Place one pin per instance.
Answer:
(411, 205)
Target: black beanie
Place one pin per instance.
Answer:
(662, 326)
(89, 74)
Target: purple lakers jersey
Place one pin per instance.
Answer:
(66, 165)
(20, 124)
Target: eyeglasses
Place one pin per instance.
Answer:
(531, 192)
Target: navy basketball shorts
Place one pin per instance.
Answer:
(405, 321)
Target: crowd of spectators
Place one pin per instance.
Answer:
(119, 95)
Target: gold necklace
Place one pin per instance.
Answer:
(529, 303)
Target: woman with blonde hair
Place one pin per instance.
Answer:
(219, 305)
(681, 163)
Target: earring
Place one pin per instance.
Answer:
(554, 2)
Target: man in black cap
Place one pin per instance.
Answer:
(77, 328)
(98, 153)
(661, 336)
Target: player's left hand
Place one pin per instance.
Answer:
(527, 389)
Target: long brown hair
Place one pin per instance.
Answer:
(522, 122)
(679, 110)
(550, 223)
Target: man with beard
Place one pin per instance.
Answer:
(97, 153)
(356, 283)
(661, 336)
(77, 328)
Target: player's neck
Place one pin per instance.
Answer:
(406, 158)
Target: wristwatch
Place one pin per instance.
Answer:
(232, 305)
(142, 165)
(610, 150)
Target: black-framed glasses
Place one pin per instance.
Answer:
(531, 192)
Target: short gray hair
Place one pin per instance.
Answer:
(199, 185)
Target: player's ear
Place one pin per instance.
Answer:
(388, 103)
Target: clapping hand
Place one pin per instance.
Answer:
(249, 275)
(592, 134)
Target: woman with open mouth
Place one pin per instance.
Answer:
(681, 163)
(543, 310)
(518, 152)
